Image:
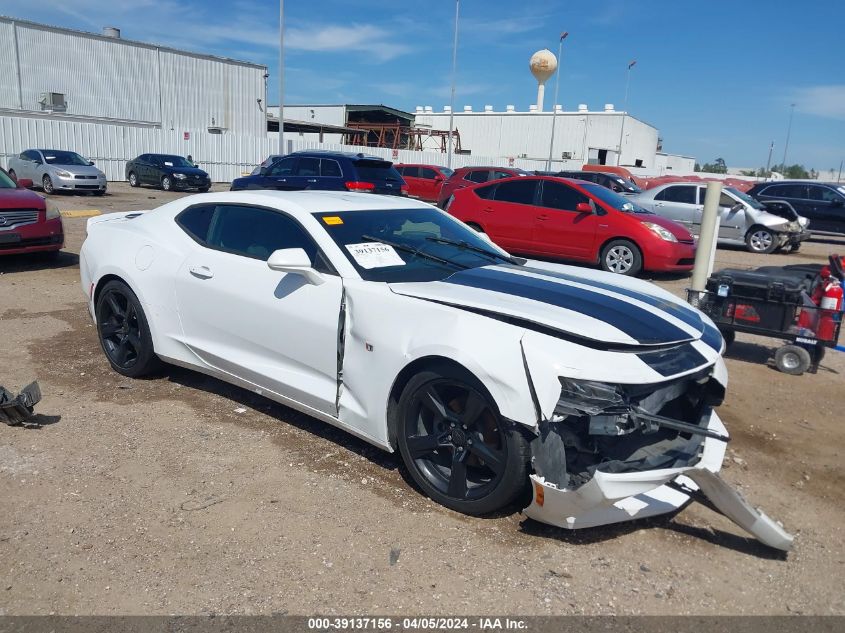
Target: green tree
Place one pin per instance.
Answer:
(717, 167)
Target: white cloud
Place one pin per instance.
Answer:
(824, 101)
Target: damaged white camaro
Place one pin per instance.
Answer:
(392, 320)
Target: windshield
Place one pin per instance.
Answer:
(63, 158)
(172, 161)
(361, 235)
(6, 181)
(446, 171)
(627, 185)
(751, 202)
(614, 200)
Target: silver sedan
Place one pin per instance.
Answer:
(58, 170)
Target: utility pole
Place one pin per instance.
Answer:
(624, 110)
(554, 104)
(788, 132)
(769, 161)
(454, 71)
(839, 177)
(281, 76)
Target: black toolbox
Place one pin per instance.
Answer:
(778, 286)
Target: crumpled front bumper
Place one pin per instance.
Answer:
(616, 497)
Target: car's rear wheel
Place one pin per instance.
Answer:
(761, 240)
(166, 183)
(47, 184)
(133, 179)
(621, 257)
(457, 447)
(124, 331)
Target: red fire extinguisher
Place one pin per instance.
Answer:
(830, 312)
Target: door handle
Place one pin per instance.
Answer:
(658, 204)
(312, 180)
(203, 272)
(281, 179)
(488, 209)
(543, 217)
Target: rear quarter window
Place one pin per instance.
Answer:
(196, 221)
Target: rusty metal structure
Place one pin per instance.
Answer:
(398, 136)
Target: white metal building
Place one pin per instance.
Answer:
(111, 99)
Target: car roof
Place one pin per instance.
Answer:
(800, 182)
(420, 165)
(318, 201)
(350, 155)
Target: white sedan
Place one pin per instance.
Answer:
(394, 321)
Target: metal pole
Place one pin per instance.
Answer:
(554, 104)
(454, 71)
(705, 253)
(768, 161)
(281, 76)
(839, 177)
(788, 131)
(624, 111)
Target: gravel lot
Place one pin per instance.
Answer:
(181, 494)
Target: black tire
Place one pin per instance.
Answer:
(622, 257)
(471, 461)
(47, 184)
(124, 331)
(166, 183)
(204, 189)
(99, 193)
(792, 359)
(759, 239)
(133, 179)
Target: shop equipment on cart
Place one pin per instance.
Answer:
(800, 304)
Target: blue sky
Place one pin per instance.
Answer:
(717, 78)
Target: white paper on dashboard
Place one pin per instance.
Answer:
(374, 255)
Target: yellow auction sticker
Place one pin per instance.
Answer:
(332, 219)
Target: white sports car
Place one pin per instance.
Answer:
(398, 323)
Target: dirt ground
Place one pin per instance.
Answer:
(180, 494)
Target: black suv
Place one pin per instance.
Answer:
(823, 203)
(332, 171)
(610, 181)
(167, 171)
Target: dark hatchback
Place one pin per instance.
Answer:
(167, 171)
(822, 203)
(328, 171)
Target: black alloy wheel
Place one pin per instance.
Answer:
(456, 446)
(124, 332)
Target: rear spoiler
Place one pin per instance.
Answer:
(112, 217)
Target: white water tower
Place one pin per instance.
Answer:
(543, 65)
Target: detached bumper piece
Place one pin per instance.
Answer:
(19, 409)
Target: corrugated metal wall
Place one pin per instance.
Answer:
(124, 81)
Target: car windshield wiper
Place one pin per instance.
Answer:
(414, 251)
(477, 249)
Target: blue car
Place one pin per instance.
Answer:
(332, 171)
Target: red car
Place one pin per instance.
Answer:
(577, 220)
(469, 176)
(28, 223)
(424, 181)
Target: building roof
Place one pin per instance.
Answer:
(121, 40)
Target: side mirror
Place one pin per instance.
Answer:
(439, 178)
(24, 183)
(836, 202)
(583, 207)
(296, 261)
(90, 163)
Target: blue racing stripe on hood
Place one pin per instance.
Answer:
(645, 327)
(680, 312)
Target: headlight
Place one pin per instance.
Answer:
(64, 174)
(661, 232)
(53, 211)
(179, 176)
(794, 226)
(586, 397)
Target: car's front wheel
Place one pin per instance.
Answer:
(761, 240)
(47, 184)
(622, 257)
(124, 331)
(457, 447)
(166, 183)
(133, 179)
